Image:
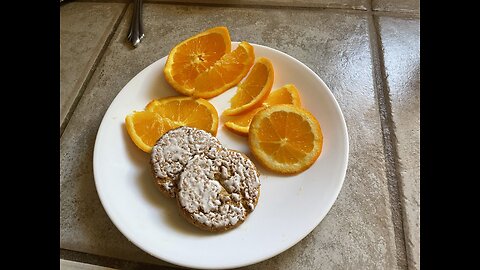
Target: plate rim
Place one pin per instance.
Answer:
(346, 143)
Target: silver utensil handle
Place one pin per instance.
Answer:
(136, 27)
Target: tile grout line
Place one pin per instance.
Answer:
(349, 9)
(382, 92)
(259, 6)
(80, 93)
(105, 261)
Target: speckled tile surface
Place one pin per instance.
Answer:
(72, 265)
(342, 4)
(396, 5)
(355, 4)
(84, 28)
(356, 234)
(401, 43)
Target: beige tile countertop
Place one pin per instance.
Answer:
(366, 51)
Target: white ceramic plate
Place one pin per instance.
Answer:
(288, 209)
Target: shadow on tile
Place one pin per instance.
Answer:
(92, 219)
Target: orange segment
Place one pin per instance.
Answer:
(187, 111)
(287, 94)
(225, 73)
(145, 128)
(285, 138)
(195, 55)
(254, 90)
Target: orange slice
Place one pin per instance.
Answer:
(195, 55)
(162, 115)
(145, 128)
(285, 138)
(287, 94)
(187, 111)
(254, 89)
(225, 73)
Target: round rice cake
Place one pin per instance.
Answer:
(218, 194)
(174, 149)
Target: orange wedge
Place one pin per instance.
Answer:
(204, 65)
(240, 124)
(254, 89)
(285, 138)
(287, 94)
(225, 73)
(187, 111)
(162, 115)
(145, 128)
(195, 55)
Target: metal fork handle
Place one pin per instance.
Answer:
(136, 27)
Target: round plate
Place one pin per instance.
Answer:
(288, 209)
